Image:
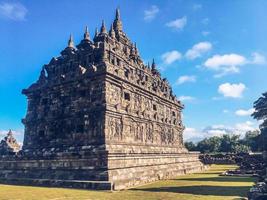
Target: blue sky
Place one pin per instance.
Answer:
(212, 52)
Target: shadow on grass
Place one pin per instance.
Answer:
(220, 179)
(240, 191)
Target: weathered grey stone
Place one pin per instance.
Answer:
(98, 113)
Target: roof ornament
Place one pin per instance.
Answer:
(112, 32)
(96, 34)
(153, 64)
(9, 134)
(136, 50)
(86, 35)
(103, 27)
(70, 42)
(118, 15)
(117, 24)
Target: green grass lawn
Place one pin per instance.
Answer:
(200, 186)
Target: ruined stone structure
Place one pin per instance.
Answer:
(9, 145)
(99, 118)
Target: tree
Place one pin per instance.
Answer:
(260, 113)
(252, 140)
(229, 142)
(241, 148)
(209, 145)
(190, 146)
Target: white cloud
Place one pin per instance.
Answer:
(197, 7)
(192, 134)
(178, 24)
(242, 128)
(226, 111)
(242, 112)
(171, 56)
(258, 59)
(231, 63)
(13, 11)
(232, 90)
(225, 64)
(205, 21)
(185, 79)
(151, 13)
(186, 98)
(198, 50)
(205, 33)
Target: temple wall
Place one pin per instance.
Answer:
(134, 116)
(68, 114)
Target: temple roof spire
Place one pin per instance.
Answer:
(112, 32)
(117, 24)
(86, 35)
(9, 133)
(103, 27)
(70, 42)
(118, 15)
(96, 33)
(153, 64)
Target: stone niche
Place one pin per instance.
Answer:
(99, 118)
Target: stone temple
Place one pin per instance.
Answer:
(99, 118)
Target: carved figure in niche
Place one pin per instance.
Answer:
(149, 132)
(139, 135)
(115, 128)
(170, 136)
(112, 130)
(114, 93)
(162, 137)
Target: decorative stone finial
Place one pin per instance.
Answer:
(96, 33)
(70, 42)
(42, 77)
(153, 64)
(86, 35)
(9, 134)
(136, 50)
(103, 27)
(118, 16)
(117, 24)
(112, 32)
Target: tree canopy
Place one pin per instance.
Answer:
(229, 143)
(260, 113)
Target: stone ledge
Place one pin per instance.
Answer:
(90, 185)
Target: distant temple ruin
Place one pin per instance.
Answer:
(9, 145)
(99, 118)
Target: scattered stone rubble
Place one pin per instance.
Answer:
(259, 190)
(250, 164)
(218, 158)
